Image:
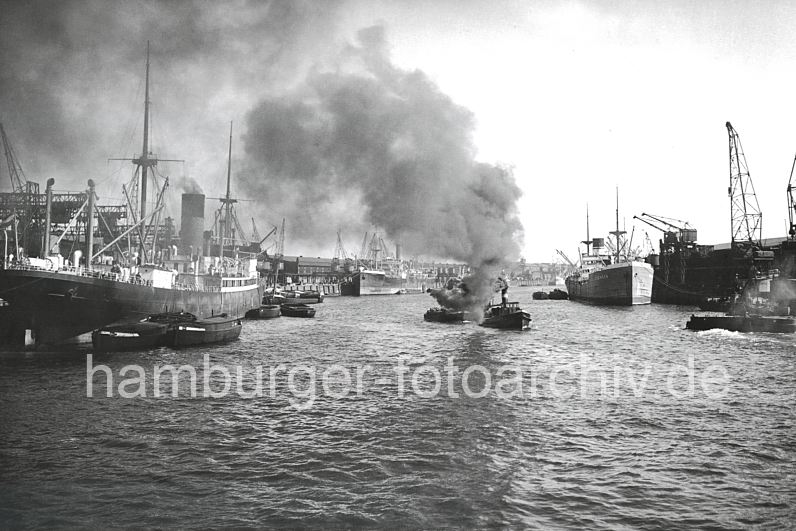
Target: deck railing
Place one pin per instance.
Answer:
(116, 277)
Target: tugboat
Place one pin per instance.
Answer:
(506, 316)
(750, 311)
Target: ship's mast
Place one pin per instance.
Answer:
(227, 201)
(617, 232)
(144, 161)
(587, 241)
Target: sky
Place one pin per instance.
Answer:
(555, 103)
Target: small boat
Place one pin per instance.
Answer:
(214, 329)
(146, 333)
(266, 311)
(129, 336)
(507, 316)
(743, 323)
(297, 310)
(443, 315)
(304, 297)
(555, 295)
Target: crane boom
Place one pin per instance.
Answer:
(649, 222)
(746, 219)
(658, 219)
(566, 258)
(15, 172)
(272, 231)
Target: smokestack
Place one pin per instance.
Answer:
(398, 251)
(192, 223)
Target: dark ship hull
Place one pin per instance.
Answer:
(690, 274)
(57, 306)
(441, 315)
(217, 329)
(741, 323)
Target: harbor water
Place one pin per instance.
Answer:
(594, 418)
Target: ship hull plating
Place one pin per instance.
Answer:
(57, 306)
(366, 283)
(623, 284)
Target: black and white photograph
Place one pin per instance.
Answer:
(397, 264)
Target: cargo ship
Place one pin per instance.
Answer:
(50, 300)
(618, 284)
(610, 280)
(375, 282)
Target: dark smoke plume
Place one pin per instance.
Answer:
(390, 146)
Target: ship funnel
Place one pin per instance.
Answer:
(192, 223)
(598, 243)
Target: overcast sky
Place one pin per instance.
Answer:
(575, 97)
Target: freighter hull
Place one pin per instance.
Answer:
(623, 284)
(377, 283)
(57, 305)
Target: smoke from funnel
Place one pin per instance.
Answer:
(366, 142)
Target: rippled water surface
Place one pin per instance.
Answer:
(625, 420)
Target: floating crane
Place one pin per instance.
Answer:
(746, 219)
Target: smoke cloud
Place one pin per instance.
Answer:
(388, 144)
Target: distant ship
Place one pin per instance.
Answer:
(610, 279)
(374, 282)
(50, 300)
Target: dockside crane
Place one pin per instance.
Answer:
(255, 232)
(572, 266)
(746, 219)
(339, 251)
(19, 183)
(24, 195)
(364, 249)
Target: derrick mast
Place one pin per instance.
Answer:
(746, 220)
(791, 205)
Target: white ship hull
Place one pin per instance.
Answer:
(622, 284)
